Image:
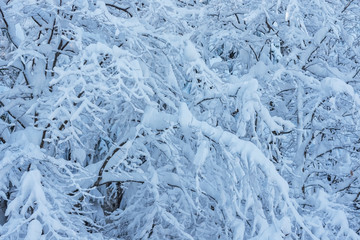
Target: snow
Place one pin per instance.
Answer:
(287, 125)
(247, 150)
(258, 70)
(79, 110)
(79, 154)
(3, 88)
(215, 60)
(172, 78)
(285, 224)
(185, 116)
(190, 52)
(181, 128)
(37, 77)
(201, 154)
(319, 36)
(19, 32)
(332, 86)
(30, 192)
(155, 119)
(34, 230)
(270, 121)
(238, 227)
(29, 136)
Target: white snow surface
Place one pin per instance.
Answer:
(190, 52)
(34, 230)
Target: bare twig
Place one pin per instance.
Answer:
(268, 25)
(121, 182)
(52, 31)
(3, 17)
(357, 72)
(43, 137)
(119, 8)
(237, 18)
(347, 5)
(61, 47)
(206, 99)
(36, 21)
(7, 28)
(22, 125)
(42, 18)
(357, 197)
(256, 56)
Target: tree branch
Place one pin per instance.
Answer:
(43, 137)
(119, 8)
(22, 125)
(347, 5)
(52, 31)
(57, 54)
(252, 49)
(7, 28)
(357, 72)
(36, 21)
(3, 17)
(102, 168)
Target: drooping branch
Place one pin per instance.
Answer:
(247, 150)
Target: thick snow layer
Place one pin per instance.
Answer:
(190, 52)
(31, 191)
(201, 153)
(155, 119)
(34, 230)
(19, 32)
(168, 106)
(332, 86)
(79, 154)
(247, 151)
(26, 136)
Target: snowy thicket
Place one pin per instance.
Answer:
(179, 119)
